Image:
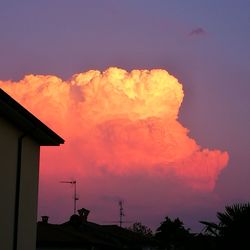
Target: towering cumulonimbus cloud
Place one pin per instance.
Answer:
(118, 122)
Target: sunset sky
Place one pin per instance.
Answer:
(152, 98)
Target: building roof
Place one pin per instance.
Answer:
(28, 123)
(67, 235)
(88, 235)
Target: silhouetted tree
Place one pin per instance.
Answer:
(141, 229)
(173, 234)
(233, 229)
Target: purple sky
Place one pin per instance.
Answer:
(205, 44)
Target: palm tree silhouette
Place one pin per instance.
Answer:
(233, 229)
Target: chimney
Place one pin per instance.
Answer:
(45, 219)
(83, 213)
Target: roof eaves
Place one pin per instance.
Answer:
(26, 121)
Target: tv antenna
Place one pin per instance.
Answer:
(75, 198)
(121, 215)
(121, 212)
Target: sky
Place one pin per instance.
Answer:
(47, 50)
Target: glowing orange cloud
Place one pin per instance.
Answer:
(119, 122)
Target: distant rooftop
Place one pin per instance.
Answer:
(89, 234)
(22, 118)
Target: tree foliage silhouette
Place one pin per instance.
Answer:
(173, 234)
(233, 228)
(141, 229)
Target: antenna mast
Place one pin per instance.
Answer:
(75, 198)
(121, 212)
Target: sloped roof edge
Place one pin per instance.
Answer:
(27, 122)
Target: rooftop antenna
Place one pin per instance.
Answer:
(75, 198)
(121, 212)
(121, 215)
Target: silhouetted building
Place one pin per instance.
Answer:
(84, 235)
(21, 135)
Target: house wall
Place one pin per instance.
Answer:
(29, 188)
